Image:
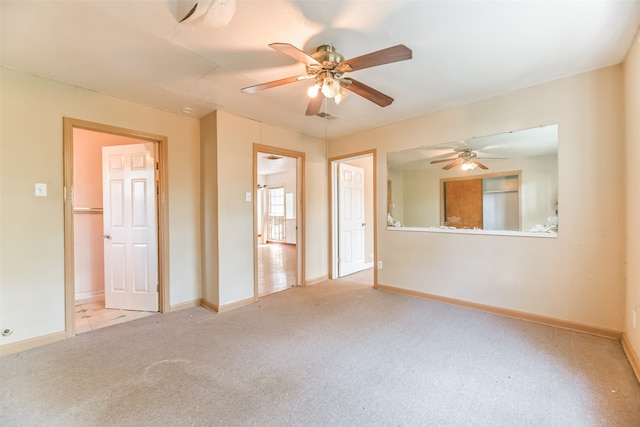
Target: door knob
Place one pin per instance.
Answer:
(106, 236)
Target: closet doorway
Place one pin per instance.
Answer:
(278, 219)
(353, 246)
(115, 229)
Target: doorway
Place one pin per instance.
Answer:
(352, 196)
(278, 219)
(125, 230)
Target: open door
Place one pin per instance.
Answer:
(130, 227)
(278, 219)
(352, 202)
(351, 219)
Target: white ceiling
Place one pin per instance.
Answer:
(269, 164)
(463, 51)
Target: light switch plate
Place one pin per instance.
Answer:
(247, 196)
(41, 190)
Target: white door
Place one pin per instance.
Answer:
(350, 219)
(130, 237)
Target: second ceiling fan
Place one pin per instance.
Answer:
(466, 158)
(327, 68)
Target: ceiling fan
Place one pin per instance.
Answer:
(466, 158)
(327, 68)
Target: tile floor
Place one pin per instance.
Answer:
(91, 314)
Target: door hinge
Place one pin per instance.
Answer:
(339, 260)
(157, 166)
(158, 287)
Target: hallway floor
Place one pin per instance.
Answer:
(277, 267)
(91, 314)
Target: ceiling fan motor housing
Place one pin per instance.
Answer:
(468, 154)
(327, 76)
(327, 56)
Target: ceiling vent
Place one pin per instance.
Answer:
(326, 116)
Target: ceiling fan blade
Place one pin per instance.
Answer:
(480, 165)
(385, 56)
(295, 53)
(314, 105)
(451, 165)
(367, 92)
(275, 83)
(443, 160)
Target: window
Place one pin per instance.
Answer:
(290, 206)
(276, 215)
(276, 201)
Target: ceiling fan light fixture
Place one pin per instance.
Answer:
(342, 94)
(330, 87)
(468, 166)
(313, 90)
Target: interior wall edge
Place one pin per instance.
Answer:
(209, 305)
(634, 360)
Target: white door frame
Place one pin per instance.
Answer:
(300, 210)
(333, 210)
(161, 144)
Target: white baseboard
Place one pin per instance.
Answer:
(317, 280)
(536, 318)
(236, 304)
(30, 343)
(187, 304)
(226, 307)
(209, 305)
(90, 296)
(634, 360)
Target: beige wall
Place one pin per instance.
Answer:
(579, 276)
(32, 241)
(232, 163)
(632, 115)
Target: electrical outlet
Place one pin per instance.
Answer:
(379, 265)
(41, 190)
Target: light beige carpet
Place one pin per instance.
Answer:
(334, 354)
